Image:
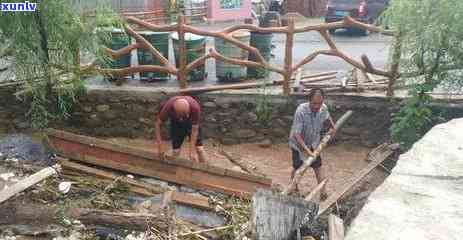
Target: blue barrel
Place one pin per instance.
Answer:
(263, 43)
(196, 46)
(160, 41)
(227, 72)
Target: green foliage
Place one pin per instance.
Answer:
(45, 45)
(414, 119)
(264, 108)
(430, 35)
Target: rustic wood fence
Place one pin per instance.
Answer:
(287, 70)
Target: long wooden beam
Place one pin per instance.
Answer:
(377, 157)
(136, 186)
(30, 181)
(147, 163)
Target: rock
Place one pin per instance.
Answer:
(245, 133)
(229, 141)
(144, 120)
(198, 216)
(224, 114)
(210, 118)
(280, 132)
(87, 109)
(210, 105)
(265, 144)
(281, 123)
(114, 100)
(187, 189)
(225, 105)
(155, 182)
(93, 121)
(236, 168)
(351, 131)
(102, 108)
(138, 110)
(109, 115)
(252, 116)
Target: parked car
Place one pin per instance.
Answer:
(366, 11)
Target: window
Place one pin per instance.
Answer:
(231, 4)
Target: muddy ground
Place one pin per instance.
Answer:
(341, 161)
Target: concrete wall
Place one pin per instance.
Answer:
(216, 13)
(422, 198)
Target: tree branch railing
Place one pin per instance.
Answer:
(226, 34)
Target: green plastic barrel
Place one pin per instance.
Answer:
(119, 40)
(160, 41)
(195, 46)
(227, 72)
(263, 43)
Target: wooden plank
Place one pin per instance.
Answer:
(203, 177)
(376, 158)
(30, 181)
(335, 228)
(277, 217)
(315, 193)
(76, 167)
(120, 150)
(136, 186)
(46, 214)
(243, 164)
(318, 79)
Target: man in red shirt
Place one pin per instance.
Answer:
(184, 113)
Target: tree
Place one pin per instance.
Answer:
(430, 56)
(45, 50)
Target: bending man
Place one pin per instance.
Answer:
(305, 133)
(184, 113)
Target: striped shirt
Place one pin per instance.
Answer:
(309, 125)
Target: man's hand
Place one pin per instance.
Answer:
(161, 151)
(309, 152)
(194, 157)
(332, 132)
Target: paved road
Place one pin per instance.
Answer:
(375, 46)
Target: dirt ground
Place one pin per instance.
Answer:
(340, 161)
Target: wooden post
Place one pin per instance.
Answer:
(335, 228)
(396, 55)
(277, 217)
(182, 73)
(27, 182)
(297, 82)
(288, 56)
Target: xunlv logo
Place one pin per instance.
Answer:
(18, 7)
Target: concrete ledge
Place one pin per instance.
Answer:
(422, 198)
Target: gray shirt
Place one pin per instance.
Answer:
(309, 125)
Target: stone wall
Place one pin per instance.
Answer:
(228, 118)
